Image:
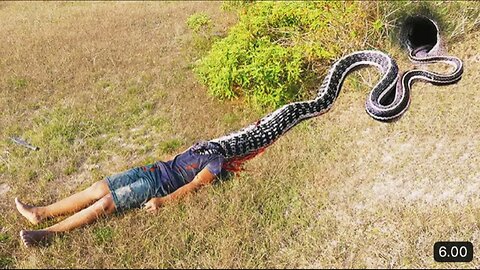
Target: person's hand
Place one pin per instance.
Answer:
(153, 205)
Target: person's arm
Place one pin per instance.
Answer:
(204, 177)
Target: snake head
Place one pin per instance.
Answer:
(208, 148)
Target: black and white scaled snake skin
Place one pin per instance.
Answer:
(387, 101)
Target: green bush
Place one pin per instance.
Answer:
(277, 50)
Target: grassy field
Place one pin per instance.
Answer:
(101, 88)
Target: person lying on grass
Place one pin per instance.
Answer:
(148, 186)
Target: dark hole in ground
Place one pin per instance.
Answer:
(419, 31)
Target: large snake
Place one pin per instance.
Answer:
(388, 100)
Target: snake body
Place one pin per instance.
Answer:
(387, 101)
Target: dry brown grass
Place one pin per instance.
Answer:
(104, 87)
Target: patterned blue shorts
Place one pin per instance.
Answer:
(133, 188)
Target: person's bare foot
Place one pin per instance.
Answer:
(29, 212)
(34, 238)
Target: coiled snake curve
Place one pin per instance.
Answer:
(387, 101)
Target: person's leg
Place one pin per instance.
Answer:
(102, 207)
(138, 190)
(68, 205)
